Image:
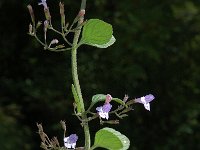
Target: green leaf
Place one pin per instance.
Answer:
(111, 139)
(119, 101)
(112, 40)
(76, 98)
(97, 33)
(98, 97)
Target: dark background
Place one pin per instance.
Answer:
(157, 51)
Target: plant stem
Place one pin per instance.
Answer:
(78, 89)
(83, 4)
(76, 80)
(93, 147)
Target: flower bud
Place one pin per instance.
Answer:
(54, 41)
(30, 9)
(46, 25)
(38, 24)
(63, 125)
(108, 98)
(62, 13)
(30, 29)
(47, 14)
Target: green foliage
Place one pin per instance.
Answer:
(111, 42)
(98, 97)
(119, 101)
(97, 33)
(111, 139)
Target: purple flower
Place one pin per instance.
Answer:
(104, 110)
(145, 100)
(106, 107)
(43, 2)
(70, 141)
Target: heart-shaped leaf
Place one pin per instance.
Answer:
(111, 139)
(97, 33)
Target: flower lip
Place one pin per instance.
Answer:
(106, 107)
(73, 138)
(99, 108)
(148, 98)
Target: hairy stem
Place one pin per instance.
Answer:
(78, 89)
(76, 80)
(83, 4)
